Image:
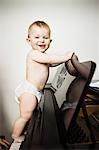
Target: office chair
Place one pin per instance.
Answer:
(76, 94)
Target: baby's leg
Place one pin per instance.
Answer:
(28, 103)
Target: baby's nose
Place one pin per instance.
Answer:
(41, 39)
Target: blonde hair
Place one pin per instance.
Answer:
(39, 24)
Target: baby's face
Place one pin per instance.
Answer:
(39, 38)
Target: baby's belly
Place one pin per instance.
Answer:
(39, 84)
(38, 78)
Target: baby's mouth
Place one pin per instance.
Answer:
(42, 46)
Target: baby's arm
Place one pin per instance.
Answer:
(54, 65)
(50, 59)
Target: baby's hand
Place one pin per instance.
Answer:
(69, 55)
(75, 57)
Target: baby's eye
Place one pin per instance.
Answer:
(45, 37)
(36, 37)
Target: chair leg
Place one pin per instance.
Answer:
(84, 110)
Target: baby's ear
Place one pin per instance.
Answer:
(50, 40)
(28, 40)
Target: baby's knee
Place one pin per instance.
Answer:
(27, 115)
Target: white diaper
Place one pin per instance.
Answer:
(26, 86)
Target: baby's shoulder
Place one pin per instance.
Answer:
(31, 53)
(34, 52)
(34, 55)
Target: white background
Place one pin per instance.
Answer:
(74, 25)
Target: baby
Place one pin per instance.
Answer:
(29, 92)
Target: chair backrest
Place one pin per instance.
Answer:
(76, 92)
